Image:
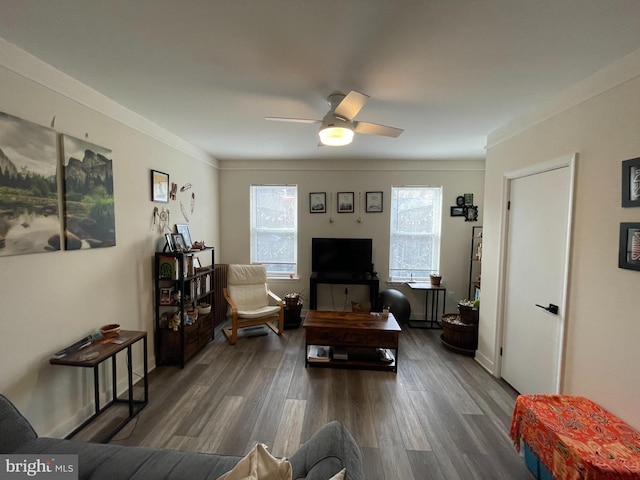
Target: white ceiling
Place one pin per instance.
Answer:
(446, 71)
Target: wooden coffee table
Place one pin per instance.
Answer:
(363, 337)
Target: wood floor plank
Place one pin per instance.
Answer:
(442, 416)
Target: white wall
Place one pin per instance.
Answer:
(600, 120)
(50, 300)
(456, 177)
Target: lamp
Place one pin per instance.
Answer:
(335, 131)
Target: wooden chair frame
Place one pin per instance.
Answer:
(274, 322)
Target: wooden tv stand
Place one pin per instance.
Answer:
(342, 278)
(359, 334)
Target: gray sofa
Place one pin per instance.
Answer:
(328, 451)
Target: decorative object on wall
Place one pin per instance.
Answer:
(374, 202)
(183, 209)
(318, 202)
(88, 195)
(174, 191)
(345, 202)
(29, 217)
(183, 229)
(460, 201)
(468, 199)
(159, 186)
(629, 249)
(631, 183)
(458, 211)
(470, 213)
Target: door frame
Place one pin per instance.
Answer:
(560, 162)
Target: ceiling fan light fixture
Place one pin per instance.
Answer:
(336, 136)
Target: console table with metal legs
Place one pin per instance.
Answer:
(98, 352)
(432, 304)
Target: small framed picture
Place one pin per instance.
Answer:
(468, 199)
(470, 213)
(457, 212)
(159, 186)
(373, 202)
(168, 246)
(631, 183)
(318, 202)
(345, 202)
(629, 249)
(183, 229)
(178, 242)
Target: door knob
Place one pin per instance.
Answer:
(551, 308)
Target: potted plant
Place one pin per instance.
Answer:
(435, 279)
(469, 311)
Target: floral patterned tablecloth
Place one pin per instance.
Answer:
(576, 438)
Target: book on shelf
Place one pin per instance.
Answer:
(319, 353)
(168, 268)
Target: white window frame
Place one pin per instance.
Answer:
(255, 230)
(432, 234)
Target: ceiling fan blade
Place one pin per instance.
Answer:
(351, 104)
(295, 120)
(376, 129)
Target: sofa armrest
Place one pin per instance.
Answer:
(328, 451)
(15, 430)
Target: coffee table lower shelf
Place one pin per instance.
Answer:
(357, 361)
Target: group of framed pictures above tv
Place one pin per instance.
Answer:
(345, 202)
(629, 247)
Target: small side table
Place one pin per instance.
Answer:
(105, 352)
(292, 315)
(430, 308)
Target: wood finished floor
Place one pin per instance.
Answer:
(440, 417)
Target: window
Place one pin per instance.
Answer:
(414, 247)
(274, 228)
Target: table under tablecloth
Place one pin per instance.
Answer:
(576, 438)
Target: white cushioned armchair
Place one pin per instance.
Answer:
(248, 295)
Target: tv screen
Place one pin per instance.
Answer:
(341, 255)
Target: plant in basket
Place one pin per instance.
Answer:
(469, 310)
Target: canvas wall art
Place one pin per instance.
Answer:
(88, 195)
(29, 216)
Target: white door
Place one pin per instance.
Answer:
(535, 280)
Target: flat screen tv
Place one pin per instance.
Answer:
(341, 255)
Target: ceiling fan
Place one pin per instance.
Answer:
(338, 126)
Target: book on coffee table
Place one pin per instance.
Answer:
(319, 353)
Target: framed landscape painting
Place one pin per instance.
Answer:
(29, 216)
(88, 195)
(629, 249)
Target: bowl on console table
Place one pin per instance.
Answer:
(110, 331)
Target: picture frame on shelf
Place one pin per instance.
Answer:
(168, 247)
(373, 202)
(631, 182)
(159, 186)
(178, 242)
(183, 229)
(629, 248)
(318, 202)
(345, 202)
(457, 211)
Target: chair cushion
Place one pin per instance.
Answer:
(247, 286)
(262, 312)
(246, 275)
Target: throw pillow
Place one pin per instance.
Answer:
(259, 464)
(340, 475)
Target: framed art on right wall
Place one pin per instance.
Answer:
(629, 249)
(631, 183)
